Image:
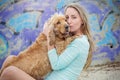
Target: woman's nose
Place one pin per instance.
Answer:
(69, 21)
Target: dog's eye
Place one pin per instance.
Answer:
(58, 22)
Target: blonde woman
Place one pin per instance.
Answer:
(76, 57)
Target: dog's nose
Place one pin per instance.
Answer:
(66, 28)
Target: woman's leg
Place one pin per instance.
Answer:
(7, 60)
(14, 73)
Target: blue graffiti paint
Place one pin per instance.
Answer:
(93, 22)
(110, 3)
(2, 2)
(108, 35)
(3, 46)
(105, 31)
(110, 53)
(116, 33)
(1, 27)
(28, 36)
(103, 15)
(18, 8)
(91, 7)
(61, 4)
(48, 12)
(26, 20)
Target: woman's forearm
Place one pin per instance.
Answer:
(49, 46)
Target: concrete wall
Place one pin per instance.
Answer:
(22, 20)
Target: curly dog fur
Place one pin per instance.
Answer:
(34, 60)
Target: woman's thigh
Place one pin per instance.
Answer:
(14, 73)
(9, 58)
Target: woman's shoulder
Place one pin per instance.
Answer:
(81, 40)
(80, 43)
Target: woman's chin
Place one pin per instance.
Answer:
(71, 30)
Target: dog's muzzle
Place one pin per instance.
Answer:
(67, 28)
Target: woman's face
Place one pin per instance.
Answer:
(73, 19)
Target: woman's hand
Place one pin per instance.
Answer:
(46, 30)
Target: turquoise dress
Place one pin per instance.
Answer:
(70, 63)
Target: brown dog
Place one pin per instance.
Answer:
(34, 60)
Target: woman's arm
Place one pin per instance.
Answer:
(76, 48)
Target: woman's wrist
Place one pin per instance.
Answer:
(49, 46)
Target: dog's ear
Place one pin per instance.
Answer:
(52, 37)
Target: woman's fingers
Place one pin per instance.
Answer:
(46, 28)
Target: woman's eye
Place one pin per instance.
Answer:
(74, 17)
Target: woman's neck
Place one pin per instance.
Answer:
(78, 33)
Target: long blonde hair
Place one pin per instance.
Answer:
(85, 30)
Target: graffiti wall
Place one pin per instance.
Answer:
(22, 20)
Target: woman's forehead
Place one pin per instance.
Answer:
(71, 11)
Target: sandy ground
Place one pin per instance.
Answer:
(109, 71)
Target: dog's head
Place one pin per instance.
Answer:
(59, 27)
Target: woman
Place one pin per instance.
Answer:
(76, 57)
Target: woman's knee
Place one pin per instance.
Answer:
(9, 71)
(14, 73)
(7, 60)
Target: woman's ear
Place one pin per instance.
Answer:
(52, 37)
